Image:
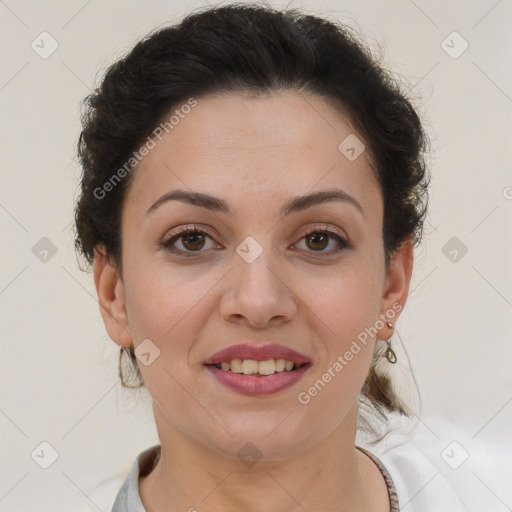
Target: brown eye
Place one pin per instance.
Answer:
(193, 241)
(189, 242)
(317, 241)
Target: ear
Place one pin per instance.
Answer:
(396, 286)
(111, 298)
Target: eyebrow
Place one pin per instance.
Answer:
(294, 205)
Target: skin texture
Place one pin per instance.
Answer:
(256, 154)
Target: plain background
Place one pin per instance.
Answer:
(58, 366)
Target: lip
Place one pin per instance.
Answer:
(253, 385)
(258, 353)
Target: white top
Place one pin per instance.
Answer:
(418, 481)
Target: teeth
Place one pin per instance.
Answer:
(236, 365)
(267, 367)
(280, 365)
(251, 366)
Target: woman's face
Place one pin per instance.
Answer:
(255, 275)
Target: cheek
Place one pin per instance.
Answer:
(348, 301)
(163, 309)
(169, 307)
(159, 298)
(348, 307)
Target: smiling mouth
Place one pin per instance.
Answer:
(258, 368)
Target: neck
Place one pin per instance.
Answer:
(332, 476)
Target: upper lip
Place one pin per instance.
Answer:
(258, 353)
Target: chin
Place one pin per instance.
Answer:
(263, 436)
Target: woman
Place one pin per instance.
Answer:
(253, 186)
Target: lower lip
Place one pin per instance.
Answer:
(258, 385)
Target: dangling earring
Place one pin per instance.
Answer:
(390, 353)
(124, 383)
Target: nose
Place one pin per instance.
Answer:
(257, 295)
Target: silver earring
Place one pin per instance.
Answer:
(390, 353)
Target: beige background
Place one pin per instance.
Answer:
(59, 368)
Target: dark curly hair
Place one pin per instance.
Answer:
(253, 49)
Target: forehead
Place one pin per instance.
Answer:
(273, 146)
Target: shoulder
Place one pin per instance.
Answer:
(421, 476)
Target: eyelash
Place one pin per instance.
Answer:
(168, 244)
